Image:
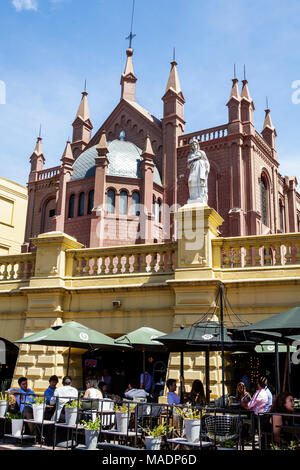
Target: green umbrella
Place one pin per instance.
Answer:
(269, 347)
(71, 334)
(143, 339)
(286, 323)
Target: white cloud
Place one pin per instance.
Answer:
(25, 5)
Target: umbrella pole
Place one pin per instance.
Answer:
(277, 372)
(69, 354)
(207, 376)
(144, 369)
(181, 375)
(286, 365)
(289, 367)
(222, 342)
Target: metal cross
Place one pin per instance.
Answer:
(131, 36)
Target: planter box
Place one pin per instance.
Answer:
(38, 412)
(3, 408)
(152, 443)
(16, 427)
(122, 420)
(192, 429)
(91, 439)
(71, 416)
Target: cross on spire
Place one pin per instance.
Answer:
(131, 36)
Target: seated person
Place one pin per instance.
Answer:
(173, 398)
(24, 397)
(103, 387)
(49, 392)
(147, 382)
(242, 396)
(133, 391)
(196, 396)
(64, 394)
(283, 403)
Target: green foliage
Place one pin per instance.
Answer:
(3, 396)
(73, 404)
(92, 425)
(228, 444)
(188, 413)
(38, 400)
(158, 431)
(14, 416)
(124, 408)
(293, 445)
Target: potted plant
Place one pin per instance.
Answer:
(229, 444)
(16, 423)
(71, 411)
(122, 417)
(154, 436)
(91, 431)
(192, 423)
(38, 409)
(3, 404)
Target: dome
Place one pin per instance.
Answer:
(124, 160)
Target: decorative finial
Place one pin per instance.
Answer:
(245, 72)
(122, 135)
(131, 36)
(174, 60)
(234, 71)
(267, 102)
(40, 131)
(85, 86)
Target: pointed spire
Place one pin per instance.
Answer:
(102, 147)
(38, 147)
(173, 81)
(68, 154)
(83, 112)
(148, 151)
(129, 65)
(245, 90)
(128, 79)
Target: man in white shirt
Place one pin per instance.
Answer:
(65, 394)
(133, 391)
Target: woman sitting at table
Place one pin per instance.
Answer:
(196, 396)
(283, 403)
(242, 396)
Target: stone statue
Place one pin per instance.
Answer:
(199, 168)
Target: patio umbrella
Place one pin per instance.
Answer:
(281, 326)
(71, 334)
(143, 339)
(205, 336)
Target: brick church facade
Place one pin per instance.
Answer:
(121, 185)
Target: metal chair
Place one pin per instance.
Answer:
(221, 428)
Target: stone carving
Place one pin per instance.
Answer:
(199, 168)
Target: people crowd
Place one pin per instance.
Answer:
(278, 409)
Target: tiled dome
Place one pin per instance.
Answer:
(124, 160)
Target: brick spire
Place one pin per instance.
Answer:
(128, 78)
(173, 81)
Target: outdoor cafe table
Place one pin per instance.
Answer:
(184, 442)
(121, 436)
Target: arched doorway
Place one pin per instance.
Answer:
(8, 358)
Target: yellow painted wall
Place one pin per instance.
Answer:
(13, 208)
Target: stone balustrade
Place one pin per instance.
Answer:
(158, 258)
(204, 135)
(17, 267)
(257, 251)
(49, 173)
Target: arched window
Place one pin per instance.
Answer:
(71, 206)
(91, 201)
(123, 205)
(135, 203)
(81, 205)
(111, 201)
(159, 210)
(264, 200)
(281, 219)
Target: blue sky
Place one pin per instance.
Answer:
(49, 47)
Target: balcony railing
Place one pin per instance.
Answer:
(204, 135)
(49, 173)
(257, 251)
(17, 267)
(158, 258)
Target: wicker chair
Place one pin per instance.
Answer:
(221, 428)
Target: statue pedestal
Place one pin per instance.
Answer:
(197, 225)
